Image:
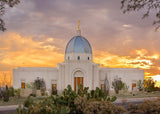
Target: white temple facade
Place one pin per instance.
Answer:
(78, 68)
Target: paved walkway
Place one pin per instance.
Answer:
(128, 100)
(10, 107)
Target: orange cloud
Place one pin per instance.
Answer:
(111, 60)
(140, 60)
(22, 51)
(17, 50)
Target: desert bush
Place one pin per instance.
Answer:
(149, 107)
(84, 99)
(43, 91)
(54, 104)
(84, 106)
(11, 92)
(80, 103)
(69, 102)
(21, 110)
(125, 87)
(102, 107)
(6, 95)
(33, 95)
(39, 84)
(140, 85)
(132, 108)
(1, 94)
(156, 88)
(117, 84)
(54, 92)
(28, 102)
(121, 110)
(50, 105)
(17, 92)
(149, 84)
(98, 94)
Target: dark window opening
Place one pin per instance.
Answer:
(68, 58)
(54, 89)
(78, 57)
(102, 87)
(88, 58)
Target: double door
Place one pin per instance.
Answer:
(78, 81)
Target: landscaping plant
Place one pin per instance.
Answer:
(65, 103)
(149, 85)
(6, 95)
(39, 84)
(140, 85)
(117, 84)
(17, 92)
(11, 92)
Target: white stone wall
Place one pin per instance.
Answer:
(93, 76)
(29, 74)
(127, 75)
(88, 68)
(74, 56)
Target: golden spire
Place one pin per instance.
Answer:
(78, 25)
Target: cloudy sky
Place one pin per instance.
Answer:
(38, 31)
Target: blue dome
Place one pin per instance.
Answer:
(78, 44)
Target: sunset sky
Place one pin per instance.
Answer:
(38, 31)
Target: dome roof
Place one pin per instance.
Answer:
(78, 44)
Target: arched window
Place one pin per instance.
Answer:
(68, 58)
(88, 58)
(78, 58)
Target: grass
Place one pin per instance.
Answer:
(18, 101)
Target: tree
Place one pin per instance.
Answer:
(148, 6)
(149, 84)
(140, 85)
(106, 85)
(39, 84)
(117, 84)
(3, 5)
(6, 95)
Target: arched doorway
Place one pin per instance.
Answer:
(78, 79)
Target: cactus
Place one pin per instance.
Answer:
(6, 95)
(69, 102)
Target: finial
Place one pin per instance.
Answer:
(78, 29)
(78, 25)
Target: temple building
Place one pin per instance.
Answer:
(78, 68)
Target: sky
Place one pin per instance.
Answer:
(38, 32)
